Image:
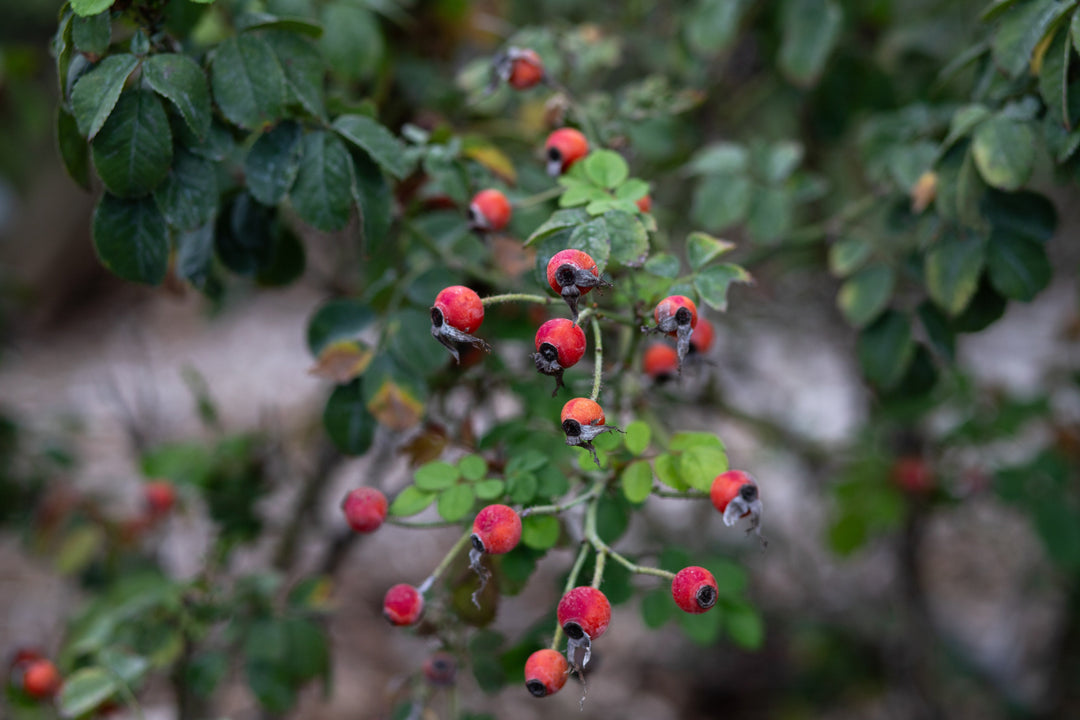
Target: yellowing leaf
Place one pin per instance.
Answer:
(395, 408)
(342, 361)
(493, 159)
(924, 191)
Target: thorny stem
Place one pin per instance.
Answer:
(571, 581)
(540, 197)
(445, 562)
(556, 509)
(599, 361)
(516, 297)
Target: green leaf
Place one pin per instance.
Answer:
(131, 239)
(637, 436)
(133, 151)
(1053, 77)
(189, 196)
(540, 532)
(866, 294)
(637, 481)
(1021, 30)
(885, 349)
(560, 220)
(713, 282)
(700, 465)
(375, 140)
(579, 192)
(775, 163)
(592, 237)
(723, 158)
(1027, 215)
(657, 608)
(248, 82)
(809, 31)
(848, 255)
(1004, 151)
(770, 216)
(710, 26)
(244, 235)
(297, 26)
(663, 265)
(273, 162)
(375, 200)
(84, 690)
(410, 501)
(79, 548)
(612, 517)
(522, 487)
(91, 34)
(702, 249)
(86, 8)
(964, 120)
(347, 419)
(308, 653)
(455, 502)
(304, 69)
(687, 440)
(722, 201)
(337, 320)
(952, 269)
(938, 330)
(667, 471)
(489, 489)
(472, 467)
(96, 93)
(322, 194)
(629, 239)
(125, 666)
(352, 40)
(180, 80)
(74, 150)
(606, 168)
(703, 629)
(436, 475)
(1019, 268)
(744, 626)
(632, 190)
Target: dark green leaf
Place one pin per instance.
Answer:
(710, 26)
(133, 151)
(560, 220)
(375, 200)
(131, 239)
(322, 194)
(663, 265)
(91, 34)
(248, 82)
(713, 282)
(702, 249)
(304, 69)
(411, 501)
(352, 41)
(347, 419)
(612, 517)
(522, 487)
(86, 8)
(1025, 214)
(74, 150)
(308, 653)
(703, 629)
(244, 237)
(95, 94)
(281, 25)
(273, 162)
(189, 196)
(436, 475)
(1021, 30)
(848, 255)
(952, 270)
(744, 626)
(810, 30)
(455, 502)
(205, 671)
(540, 532)
(866, 294)
(1053, 77)
(1004, 152)
(985, 308)
(285, 261)
(194, 254)
(85, 689)
(657, 608)
(1018, 267)
(722, 201)
(770, 216)
(942, 337)
(337, 320)
(375, 140)
(593, 238)
(636, 481)
(629, 239)
(885, 349)
(723, 158)
(775, 163)
(180, 80)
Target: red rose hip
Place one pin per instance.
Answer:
(403, 604)
(582, 420)
(735, 494)
(572, 273)
(644, 204)
(41, 679)
(560, 344)
(526, 68)
(694, 589)
(489, 211)
(660, 362)
(584, 612)
(441, 668)
(496, 530)
(160, 497)
(365, 509)
(564, 147)
(545, 672)
(676, 315)
(702, 338)
(456, 314)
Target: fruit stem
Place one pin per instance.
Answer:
(429, 524)
(556, 509)
(598, 572)
(540, 197)
(603, 549)
(598, 369)
(516, 297)
(445, 562)
(571, 581)
(685, 495)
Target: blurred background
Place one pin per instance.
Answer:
(924, 539)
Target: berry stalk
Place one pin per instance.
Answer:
(515, 297)
(599, 359)
(556, 509)
(603, 549)
(571, 581)
(445, 562)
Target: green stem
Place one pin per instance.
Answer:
(688, 495)
(445, 562)
(516, 297)
(585, 315)
(540, 197)
(571, 581)
(556, 509)
(603, 549)
(429, 524)
(627, 320)
(598, 370)
(598, 571)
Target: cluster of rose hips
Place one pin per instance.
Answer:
(457, 313)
